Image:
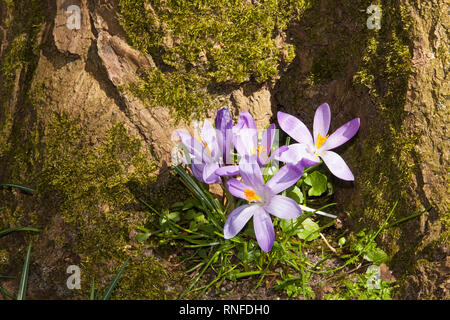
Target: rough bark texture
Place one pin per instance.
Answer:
(70, 130)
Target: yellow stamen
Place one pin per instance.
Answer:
(251, 195)
(206, 146)
(320, 141)
(260, 150)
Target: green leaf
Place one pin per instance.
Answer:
(24, 277)
(114, 282)
(92, 293)
(310, 230)
(11, 185)
(6, 293)
(295, 194)
(188, 204)
(177, 205)
(141, 237)
(174, 216)
(318, 183)
(375, 255)
(8, 231)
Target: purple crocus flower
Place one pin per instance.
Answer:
(245, 140)
(263, 201)
(209, 154)
(312, 148)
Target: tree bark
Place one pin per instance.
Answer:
(395, 79)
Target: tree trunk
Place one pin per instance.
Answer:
(90, 148)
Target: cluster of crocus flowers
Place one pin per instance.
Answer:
(210, 161)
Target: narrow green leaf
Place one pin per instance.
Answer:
(92, 294)
(114, 282)
(8, 231)
(11, 185)
(24, 277)
(6, 293)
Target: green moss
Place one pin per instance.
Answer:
(22, 49)
(387, 158)
(90, 195)
(4, 258)
(201, 44)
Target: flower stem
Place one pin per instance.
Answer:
(305, 208)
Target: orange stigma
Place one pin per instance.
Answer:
(251, 195)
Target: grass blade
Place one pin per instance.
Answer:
(8, 231)
(92, 295)
(114, 282)
(215, 213)
(24, 277)
(5, 292)
(12, 185)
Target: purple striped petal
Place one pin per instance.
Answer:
(322, 119)
(251, 175)
(224, 126)
(197, 151)
(342, 135)
(277, 153)
(197, 171)
(237, 188)
(228, 171)
(264, 232)
(295, 128)
(283, 207)
(268, 137)
(209, 138)
(337, 165)
(237, 220)
(245, 121)
(209, 173)
(246, 141)
(297, 152)
(287, 176)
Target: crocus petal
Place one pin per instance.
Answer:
(246, 141)
(209, 173)
(228, 171)
(322, 119)
(268, 137)
(337, 165)
(283, 207)
(197, 151)
(224, 126)
(208, 136)
(295, 128)
(245, 121)
(251, 175)
(223, 120)
(297, 152)
(287, 176)
(197, 170)
(277, 153)
(237, 220)
(341, 135)
(237, 188)
(264, 232)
